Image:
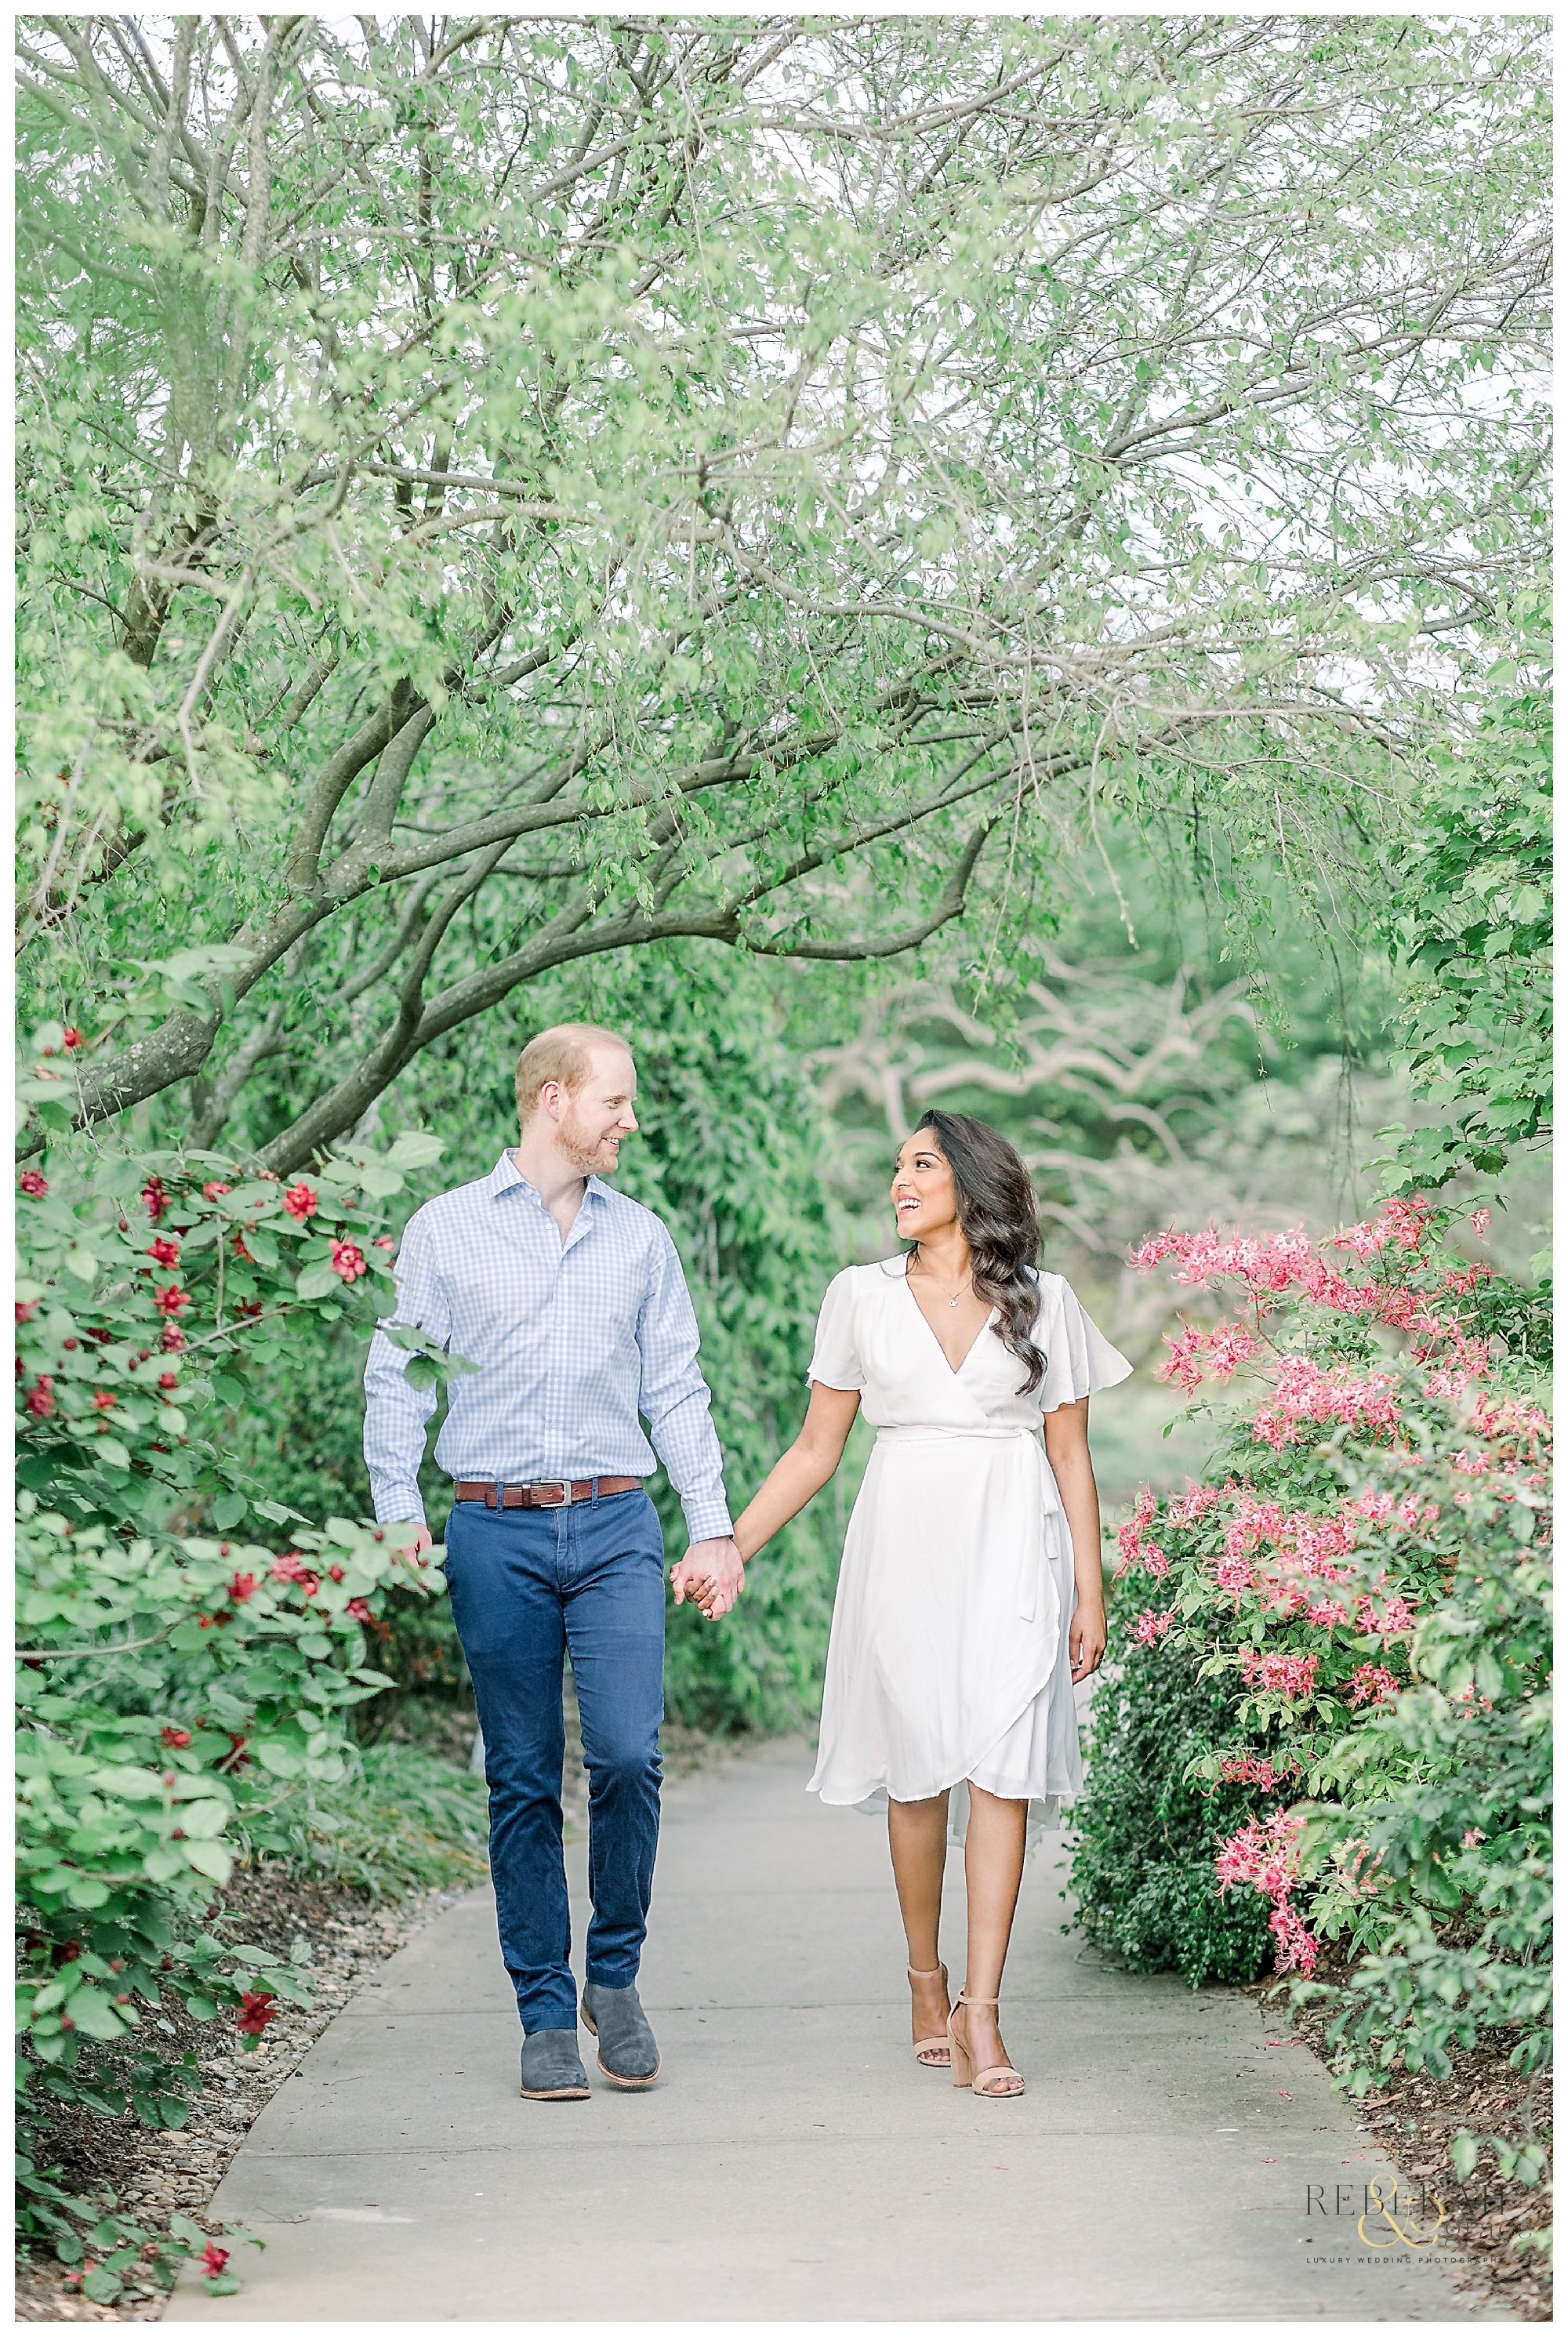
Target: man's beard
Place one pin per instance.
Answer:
(581, 1149)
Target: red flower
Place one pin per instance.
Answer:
(73, 1037)
(212, 2259)
(215, 1192)
(360, 1612)
(167, 1380)
(173, 1339)
(244, 1587)
(165, 1252)
(40, 1398)
(256, 2007)
(104, 1400)
(27, 1309)
(336, 1572)
(171, 1301)
(33, 1185)
(156, 1198)
(348, 1260)
(302, 1201)
(291, 1568)
(385, 1241)
(176, 1739)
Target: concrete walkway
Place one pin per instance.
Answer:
(795, 2163)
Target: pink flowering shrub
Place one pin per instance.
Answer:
(1373, 1438)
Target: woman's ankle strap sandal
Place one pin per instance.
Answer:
(964, 2070)
(931, 2052)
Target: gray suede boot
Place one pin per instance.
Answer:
(627, 2053)
(552, 2068)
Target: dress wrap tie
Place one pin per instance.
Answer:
(1033, 1565)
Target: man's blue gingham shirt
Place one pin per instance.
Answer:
(572, 1339)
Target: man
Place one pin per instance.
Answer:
(569, 1298)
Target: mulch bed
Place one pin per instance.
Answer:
(1413, 2118)
(154, 2172)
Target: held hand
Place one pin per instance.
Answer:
(711, 1576)
(1086, 1641)
(410, 1539)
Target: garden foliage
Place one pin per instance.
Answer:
(182, 1693)
(1470, 926)
(1363, 1580)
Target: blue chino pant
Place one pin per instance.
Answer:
(528, 1585)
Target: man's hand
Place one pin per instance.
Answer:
(410, 1539)
(711, 1576)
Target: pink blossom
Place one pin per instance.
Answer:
(1297, 1950)
(1189, 1507)
(1248, 1768)
(1182, 1363)
(1267, 1855)
(302, 1201)
(1230, 1346)
(1288, 1676)
(1372, 1684)
(1152, 1626)
(1480, 1220)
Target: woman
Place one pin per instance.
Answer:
(957, 1638)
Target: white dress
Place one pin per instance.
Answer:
(949, 1656)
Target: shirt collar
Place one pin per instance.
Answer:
(507, 1174)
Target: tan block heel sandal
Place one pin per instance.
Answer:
(964, 2070)
(926, 2049)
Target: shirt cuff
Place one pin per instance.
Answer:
(400, 1505)
(707, 1519)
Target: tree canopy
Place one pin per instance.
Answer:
(495, 491)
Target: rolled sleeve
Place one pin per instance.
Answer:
(675, 1397)
(395, 1415)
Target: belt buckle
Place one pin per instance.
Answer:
(566, 1496)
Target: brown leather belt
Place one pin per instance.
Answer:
(554, 1493)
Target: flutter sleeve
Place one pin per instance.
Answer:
(836, 1358)
(1079, 1359)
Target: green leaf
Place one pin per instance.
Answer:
(227, 1510)
(416, 1149)
(211, 1858)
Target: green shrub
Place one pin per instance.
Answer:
(1144, 1837)
(182, 1697)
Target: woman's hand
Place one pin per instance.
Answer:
(1086, 1637)
(711, 1576)
(1067, 1450)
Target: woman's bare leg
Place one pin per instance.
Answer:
(993, 1870)
(918, 1838)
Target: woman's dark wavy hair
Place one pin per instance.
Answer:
(996, 1217)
